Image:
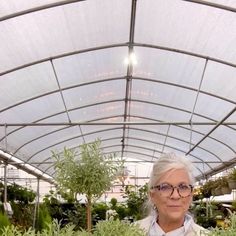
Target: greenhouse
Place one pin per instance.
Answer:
(135, 78)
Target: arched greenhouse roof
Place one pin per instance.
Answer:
(144, 76)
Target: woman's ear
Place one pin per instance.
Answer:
(151, 195)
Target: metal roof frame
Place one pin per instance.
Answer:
(128, 120)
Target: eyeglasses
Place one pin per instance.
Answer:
(167, 190)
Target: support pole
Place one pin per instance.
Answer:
(36, 208)
(5, 183)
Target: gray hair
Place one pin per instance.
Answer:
(167, 162)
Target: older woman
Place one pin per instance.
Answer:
(170, 193)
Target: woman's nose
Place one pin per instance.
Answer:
(175, 193)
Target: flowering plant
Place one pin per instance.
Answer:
(111, 214)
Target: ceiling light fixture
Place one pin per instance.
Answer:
(131, 59)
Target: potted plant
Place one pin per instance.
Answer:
(207, 188)
(224, 185)
(217, 187)
(232, 179)
(91, 175)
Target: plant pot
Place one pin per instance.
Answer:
(218, 191)
(225, 190)
(232, 184)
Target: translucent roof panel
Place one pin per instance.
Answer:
(190, 27)
(146, 77)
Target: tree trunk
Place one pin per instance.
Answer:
(89, 214)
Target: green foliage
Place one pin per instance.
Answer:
(92, 175)
(229, 231)
(122, 211)
(76, 215)
(44, 219)
(120, 208)
(136, 198)
(103, 228)
(68, 211)
(223, 181)
(55, 229)
(207, 213)
(99, 211)
(20, 199)
(22, 214)
(51, 198)
(232, 174)
(117, 228)
(66, 172)
(19, 194)
(53, 205)
(52, 229)
(234, 205)
(113, 202)
(208, 187)
(4, 221)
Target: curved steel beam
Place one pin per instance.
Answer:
(212, 4)
(66, 2)
(175, 50)
(39, 8)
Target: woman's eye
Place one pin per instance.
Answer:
(183, 186)
(165, 187)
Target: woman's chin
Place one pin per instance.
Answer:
(175, 216)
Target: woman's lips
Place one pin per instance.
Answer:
(174, 206)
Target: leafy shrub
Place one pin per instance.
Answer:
(53, 229)
(117, 228)
(99, 211)
(103, 228)
(113, 203)
(44, 218)
(4, 221)
(23, 214)
(228, 231)
(20, 194)
(136, 199)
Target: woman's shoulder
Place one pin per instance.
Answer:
(198, 230)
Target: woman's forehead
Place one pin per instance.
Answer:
(175, 175)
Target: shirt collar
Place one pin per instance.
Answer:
(156, 230)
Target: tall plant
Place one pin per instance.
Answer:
(90, 175)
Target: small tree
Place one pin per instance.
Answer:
(91, 175)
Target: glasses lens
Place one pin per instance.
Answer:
(184, 190)
(166, 189)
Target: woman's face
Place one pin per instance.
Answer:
(172, 208)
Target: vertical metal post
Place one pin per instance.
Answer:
(135, 177)
(5, 183)
(36, 208)
(5, 168)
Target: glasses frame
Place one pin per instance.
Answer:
(158, 187)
